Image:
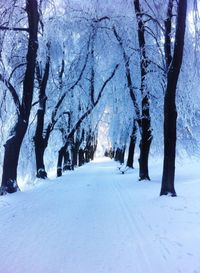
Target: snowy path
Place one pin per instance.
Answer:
(95, 220)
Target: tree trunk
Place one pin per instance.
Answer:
(81, 159)
(131, 149)
(61, 155)
(40, 145)
(87, 155)
(145, 142)
(77, 144)
(11, 157)
(121, 155)
(145, 120)
(169, 148)
(92, 151)
(39, 141)
(39, 156)
(67, 165)
(116, 155)
(13, 144)
(170, 114)
(75, 152)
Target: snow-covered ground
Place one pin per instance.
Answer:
(96, 220)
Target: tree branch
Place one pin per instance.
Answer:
(18, 66)
(14, 28)
(13, 93)
(87, 113)
(105, 83)
(101, 19)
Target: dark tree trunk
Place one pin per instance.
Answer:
(88, 148)
(13, 144)
(112, 154)
(39, 141)
(75, 152)
(39, 156)
(121, 155)
(168, 31)
(145, 142)
(11, 157)
(116, 155)
(87, 155)
(61, 155)
(67, 165)
(169, 149)
(170, 114)
(146, 136)
(108, 153)
(77, 145)
(92, 151)
(81, 159)
(131, 149)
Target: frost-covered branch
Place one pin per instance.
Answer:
(105, 83)
(88, 112)
(128, 75)
(54, 120)
(12, 92)
(14, 28)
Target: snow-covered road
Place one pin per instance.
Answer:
(95, 220)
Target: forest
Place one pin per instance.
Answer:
(79, 75)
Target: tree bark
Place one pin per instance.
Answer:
(81, 159)
(145, 143)
(39, 157)
(146, 136)
(122, 154)
(11, 158)
(13, 144)
(131, 149)
(67, 166)
(39, 141)
(119, 155)
(61, 155)
(75, 152)
(116, 156)
(170, 113)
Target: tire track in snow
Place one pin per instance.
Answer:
(135, 230)
(138, 227)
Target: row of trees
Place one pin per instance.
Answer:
(63, 65)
